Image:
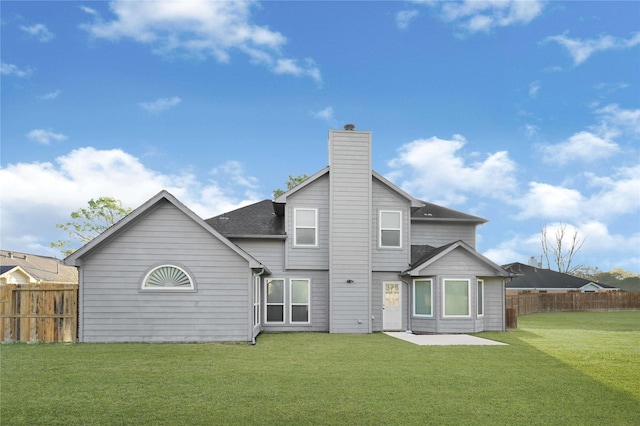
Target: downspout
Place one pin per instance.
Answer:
(253, 338)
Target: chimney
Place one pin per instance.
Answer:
(350, 207)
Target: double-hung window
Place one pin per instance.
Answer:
(274, 289)
(390, 229)
(456, 298)
(480, 298)
(299, 301)
(305, 227)
(422, 298)
(287, 304)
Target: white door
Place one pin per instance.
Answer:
(392, 306)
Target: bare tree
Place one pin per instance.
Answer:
(562, 246)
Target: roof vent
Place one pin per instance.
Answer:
(349, 126)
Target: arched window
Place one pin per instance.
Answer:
(167, 277)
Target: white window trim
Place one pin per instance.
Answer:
(267, 304)
(191, 288)
(295, 227)
(380, 229)
(291, 304)
(430, 280)
(444, 295)
(480, 305)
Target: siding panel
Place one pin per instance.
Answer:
(115, 310)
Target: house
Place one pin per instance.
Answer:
(24, 268)
(532, 279)
(346, 251)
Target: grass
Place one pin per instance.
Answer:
(560, 368)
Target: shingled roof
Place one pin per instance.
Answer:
(42, 268)
(257, 220)
(430, 211)
(530, 277)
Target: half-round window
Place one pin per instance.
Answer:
(167, 277)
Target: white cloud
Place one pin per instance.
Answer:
(325, 114)
(88, 10)
(580, 147)
(616, 194)
(434, 170)
(581, 50)
(404, 17)
(39, 31)
(51, 95)
(160, 104)
(45, 137)
(601, 248)
(35, 196)
(200, 28)
(11, 69)
(534, 88)
(473, 16)
(530, 130)
(619, 119)
(603, 198)
(549, 202)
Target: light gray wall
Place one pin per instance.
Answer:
(271, 254)
(460, 264)
(350, 231)
(114, 309)
(437, 234)
(494, 299)
(389, 259)
(313, 196)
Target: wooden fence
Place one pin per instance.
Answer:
(39, 312)
(524, 304)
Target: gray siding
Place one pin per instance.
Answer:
(459, 264)
(350, 231)
(314, 196)
(114, 309)
(271, 254)
(437, 234)
(494, 299)
(389, 259)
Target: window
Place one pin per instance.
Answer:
(456, 298)
(275, 300)
(167, 277)
(422, 298)
(390, 229)
(299, 301)
(480, 298)
(256, 300)
(305, 227)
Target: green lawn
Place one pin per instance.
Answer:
(560, 368)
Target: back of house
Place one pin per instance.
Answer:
(345, 251)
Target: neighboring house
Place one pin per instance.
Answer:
(23, 268)
(346, 251)
(531, 279)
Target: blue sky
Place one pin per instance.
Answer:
(526, 113)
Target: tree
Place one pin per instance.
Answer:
(562, 246)
(291, 183)
(88, 223)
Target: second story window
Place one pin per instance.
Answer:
(305, 227)
(390, 229)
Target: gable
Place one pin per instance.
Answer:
(158, 229)
(457, 256)
(458, 260)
